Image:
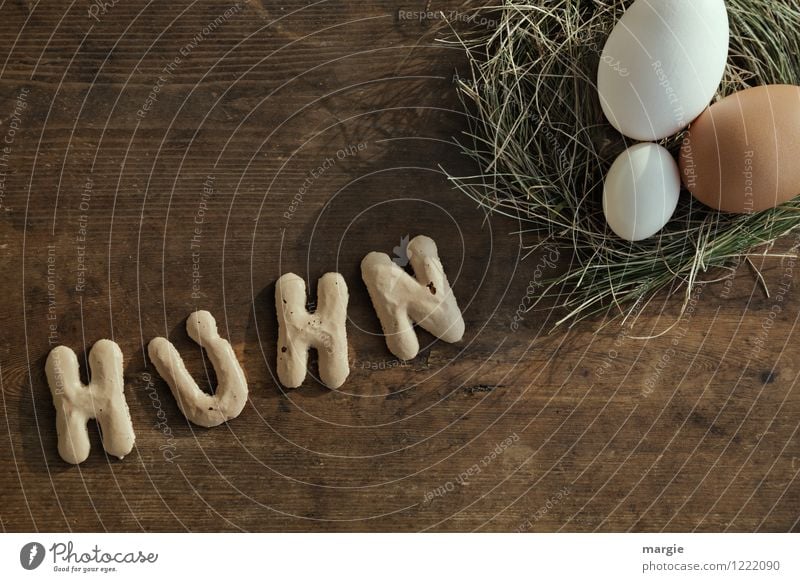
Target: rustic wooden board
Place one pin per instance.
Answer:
(575, 430)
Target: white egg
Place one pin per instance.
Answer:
(641, 191)
(662, 65)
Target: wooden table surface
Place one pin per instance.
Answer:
(115, 119)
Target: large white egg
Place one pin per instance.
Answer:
(641, 191)
(662, 65)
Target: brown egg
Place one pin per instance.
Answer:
(743, 153)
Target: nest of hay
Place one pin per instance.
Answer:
(544, 146)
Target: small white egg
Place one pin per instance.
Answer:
(641, 191)
(661, 65)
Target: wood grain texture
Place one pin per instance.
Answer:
(695, 430)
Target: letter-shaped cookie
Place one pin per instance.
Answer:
(103, 399)
(324, 330)
(400, 300)
(201, 408)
